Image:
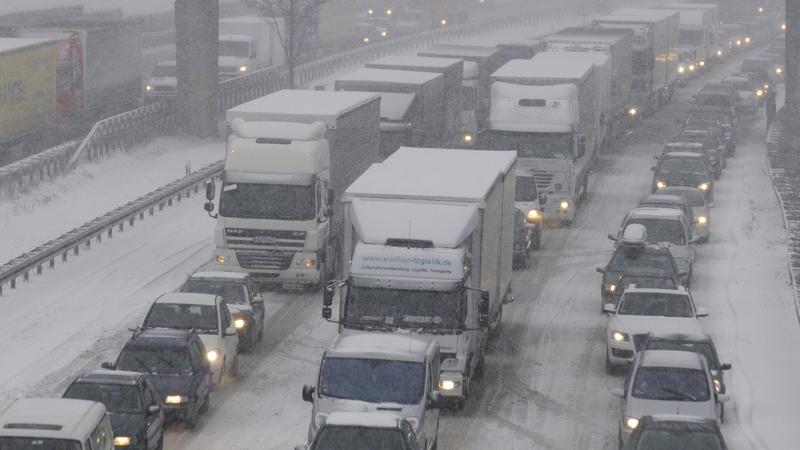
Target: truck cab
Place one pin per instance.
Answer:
(237, 55)
(528, 200)
(379, 372)
(275, 202)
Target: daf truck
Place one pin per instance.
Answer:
(546, 109)
(655, 65)
(290, 155)
(452, 72)
(428, 239)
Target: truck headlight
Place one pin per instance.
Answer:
(212, 355)
(309, 263)
(467, 137)
(124, 441)
(242, 69)
(619, 336)
(533, 215)
(661, 184)
(239, 323)
(702, 220)
(148, 88)
(778, 70)
(759, 93)
(691, 67)
(220, 259)
(175, 399)
(631, 423)
(564, 205)
(680, 69)
(448, 385)
(632, 112)
(443, 22)
(703, 186)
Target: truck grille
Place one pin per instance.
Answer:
(267, 238)
(543, 179)
(265, 260)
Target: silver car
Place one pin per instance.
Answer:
(700, 209)
(667, 382)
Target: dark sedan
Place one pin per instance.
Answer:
(645, 263)
(676, 432)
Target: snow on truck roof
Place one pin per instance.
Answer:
(279, 130)
(464, 51)
(235, 37)
(11, 44)
(363, 419)
(389, 76)
(306, 106)
(589, 34)
(553, 65)
(428, 173)
(628, 18)
(51, 418)
(413, 220)
(396, 346)
(414, 61)
(657, 14)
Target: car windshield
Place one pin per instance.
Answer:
(649, 282)
(703, 348)
(691, 37)
(684, 165)
(427, 310)
(671, 383)
(655, 304)
(639, 256)
(358, 438)
(164, 71)
(179, 315)
(239, 49)
(678, 439)
(526, 189)
(27, 443)
(739, 85)
(267, 201)
(231, 291)
(166, 361)
(468, 98)
(532, 145)
(662, 230)
(118, 398)
(713, 99)
(372, 380)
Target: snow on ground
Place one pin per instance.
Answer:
(51, 209)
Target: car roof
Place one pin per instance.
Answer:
(364, 419)
(103, 376)
(670, 358)
(185, 298)
(671, 198)
(51, 418)
(684, 154)
(690, 145)
(655, 212)
(220, 275)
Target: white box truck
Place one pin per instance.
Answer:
(290, 155)
(698, 23)
(546, 109)
(428, 239)
(249, 43)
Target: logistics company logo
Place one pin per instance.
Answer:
(12, 92)
(403, 263)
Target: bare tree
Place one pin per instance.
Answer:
(297, 35)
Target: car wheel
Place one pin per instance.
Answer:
(235, 367)
(204, 407)
(221, 371)
(610, 368)
(435, 444)
(160, 445)
(537, 239)
(722, 413)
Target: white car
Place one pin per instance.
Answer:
(209, 316)
(700, 209)
(667, 382)
(162, 82)
(641, 311)
(747, 93)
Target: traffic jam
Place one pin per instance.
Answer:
(348, 193)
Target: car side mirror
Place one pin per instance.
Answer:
(702, 312)
(726, 366)
(609, 308)
(211, 189)
(153, 409)
(308, 393)
(107, 365)
(542, 199)
(613, 238)
(653, 168)
(230, 331)
(600, 270)
(618, 392)
(433, 401)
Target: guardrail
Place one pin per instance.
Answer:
(786, 183)
(94, 230)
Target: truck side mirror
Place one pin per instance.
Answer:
(432, 401)
(542, 199)
(329, 212)
(209, 206)
(107, 365)
(581, 145)
(600, 270)
(483, 309)
(327, 295)
(327, 313)
(330, 197)
(211, 190)
(308, 393)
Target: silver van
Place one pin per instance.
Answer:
(368, 372)
(65, 424)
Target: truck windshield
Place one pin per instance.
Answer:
(429, 310)
(164, 71)
(29, 443)
(691, 37)
(533, 145)
(372, 380)
(267, 201)
(238, 49)
(526, 190)
(468, 98)
(358, 438)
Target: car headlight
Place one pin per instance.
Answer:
(766, 86)
(533, 215)
(680, 69)
(564, 205)
(631, 423)
(467, 137)
(309, 263)
(370, 12)
(717, 386)
(220, 259)
(148, 88)
(632, 112)
(414, 422)
(243, 69)
(443, 22)
(124, 441)
(619, 336)
(778, 70)
(175, 399)
(759, 93)
(611, 287)
(239, 323)
(703, 186)
(449, 385)
(212, 355)
(702, 220)
(691, 67)
(384, 34)
(747, 40)
(738, 42)
(661, 184)
(719, 52)
(366, 39)
(702, 63)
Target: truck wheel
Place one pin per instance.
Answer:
(537, 239)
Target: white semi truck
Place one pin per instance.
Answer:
(290, 155)
(546, 108)
(428, 239)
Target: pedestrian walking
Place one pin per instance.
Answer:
(771, 107)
